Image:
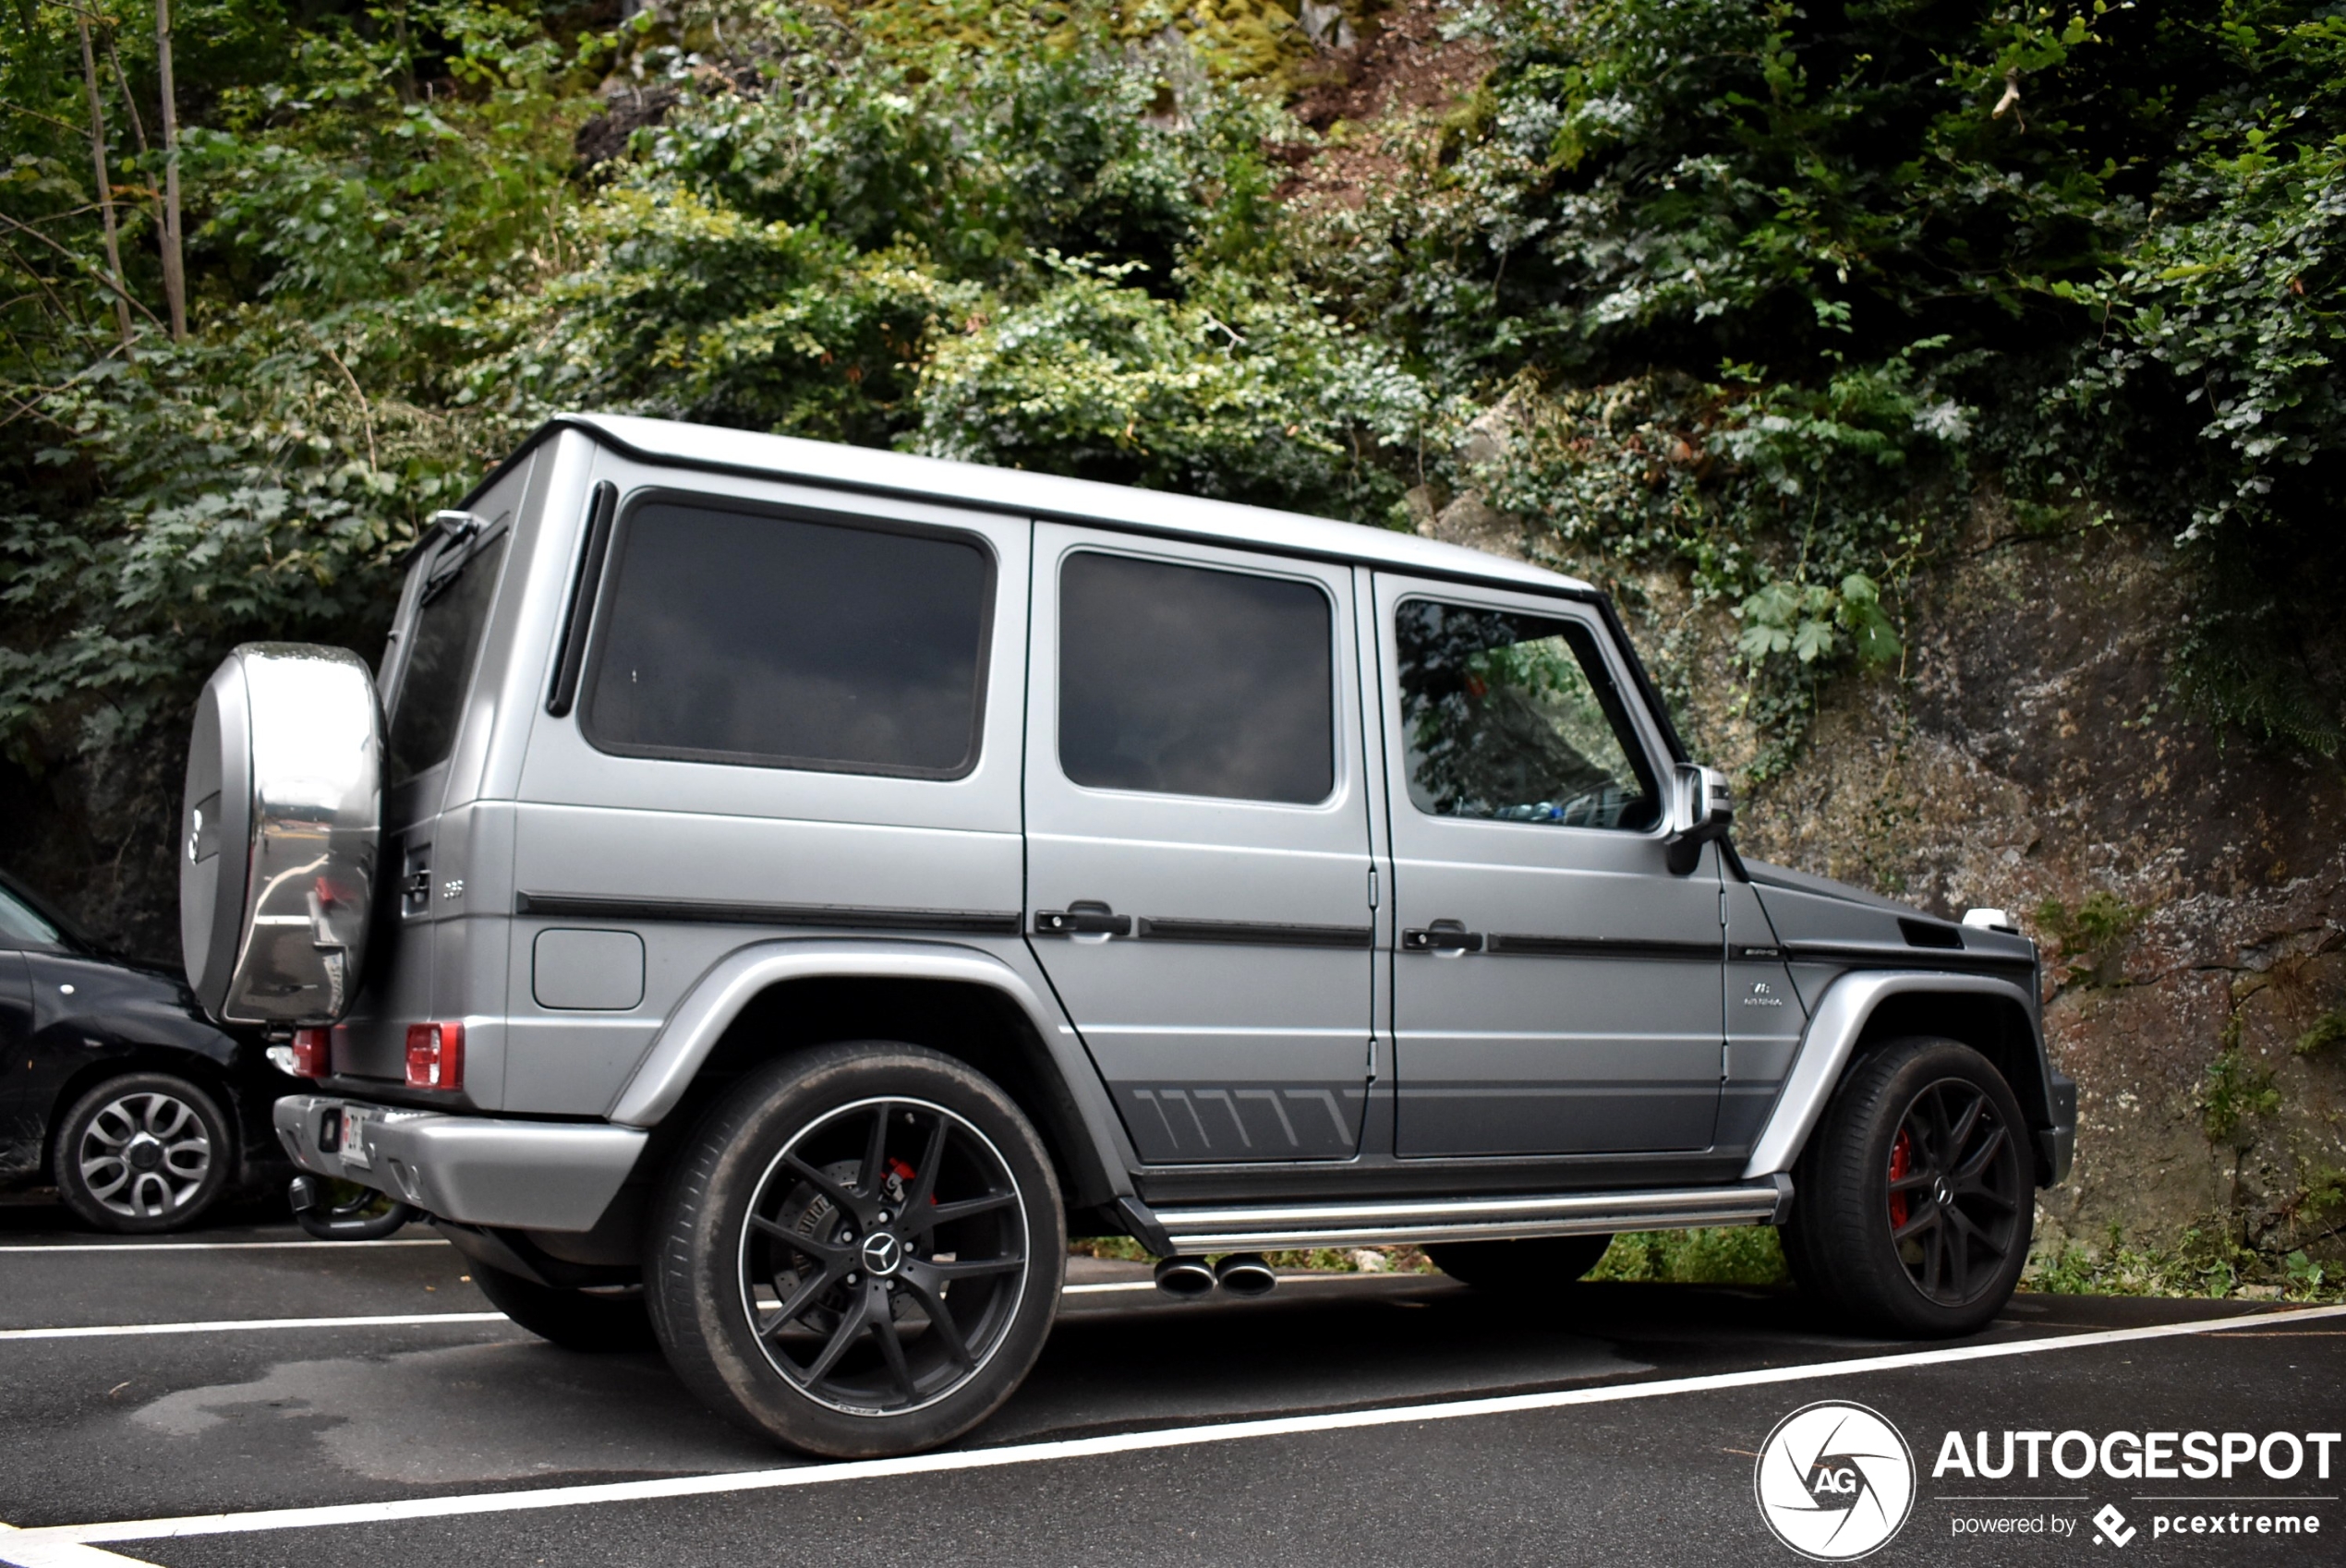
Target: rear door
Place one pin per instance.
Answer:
(798, 715)
(1198, 862)
(1556, 990)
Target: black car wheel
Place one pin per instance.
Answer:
(146, 1151)
(1912, 1203)
(1545, 1263)
(859, 1252)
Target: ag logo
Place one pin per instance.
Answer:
(1834, 1481)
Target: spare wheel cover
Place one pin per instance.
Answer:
(278, 825)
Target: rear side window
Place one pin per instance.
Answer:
(1515, 718)
(739, 636)
(441, 646)
(1186, 681)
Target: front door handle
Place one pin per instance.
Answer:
(1086, 917)
(1448, 937)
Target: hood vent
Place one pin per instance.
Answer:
(1929, 934)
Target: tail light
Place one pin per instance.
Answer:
(435, 1056)
(312, 1056)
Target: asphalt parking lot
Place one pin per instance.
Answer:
(246, 1396)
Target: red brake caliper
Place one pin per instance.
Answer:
(904, 1172)
(1902, 1165)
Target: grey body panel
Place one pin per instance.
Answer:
(717, 997)
(669, 847)
(1765, 1017)
(1233, 1022)
(587, 970)
(443, 955)
(1832, 1035)
(1827, 933)
(1593, 1025)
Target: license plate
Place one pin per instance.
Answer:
(353, 1142)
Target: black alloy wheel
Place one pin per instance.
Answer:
(1912, 1203)
(1956, 1189)
(884, 1257)
(858, 1253)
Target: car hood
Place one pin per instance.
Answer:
(1820, 916)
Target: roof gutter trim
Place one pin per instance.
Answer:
(620, 444)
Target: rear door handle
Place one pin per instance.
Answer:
(1086, 917)
(1447, 936)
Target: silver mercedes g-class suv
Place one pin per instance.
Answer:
(771, 893)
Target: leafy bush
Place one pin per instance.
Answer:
(1740, 1255)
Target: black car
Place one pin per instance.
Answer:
(115, 1086)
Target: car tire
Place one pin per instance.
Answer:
(1544, 1264)
(858, 1253)
(143, 1152)
(1914, 1200)
(595, 1322)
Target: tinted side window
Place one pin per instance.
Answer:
(1515, 718)
(441, 646)
(1185, 681)
(738, 636)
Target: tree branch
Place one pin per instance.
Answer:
(120, 294)
(105, 183)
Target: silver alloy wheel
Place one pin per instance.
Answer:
(896, 1278)
(145, 1155)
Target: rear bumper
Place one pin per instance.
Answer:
(474, 1170)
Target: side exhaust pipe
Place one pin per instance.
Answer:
(1245, 1273)
(1188, 1277)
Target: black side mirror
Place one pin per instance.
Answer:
(1702, 808)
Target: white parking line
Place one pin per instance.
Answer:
(58, 1554)
(1084, 1448)
(206, 1245)
(240, 1326)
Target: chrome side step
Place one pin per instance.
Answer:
(1192, 1230)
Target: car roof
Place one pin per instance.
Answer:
(1050, 496)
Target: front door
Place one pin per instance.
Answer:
(1198, 840)
(1557, 990)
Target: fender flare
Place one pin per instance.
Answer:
(717, 998)
(1832, 1039)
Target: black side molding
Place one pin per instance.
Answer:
(836, 917)
(1257, 933)
(1858, 955)
(1506, 943)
